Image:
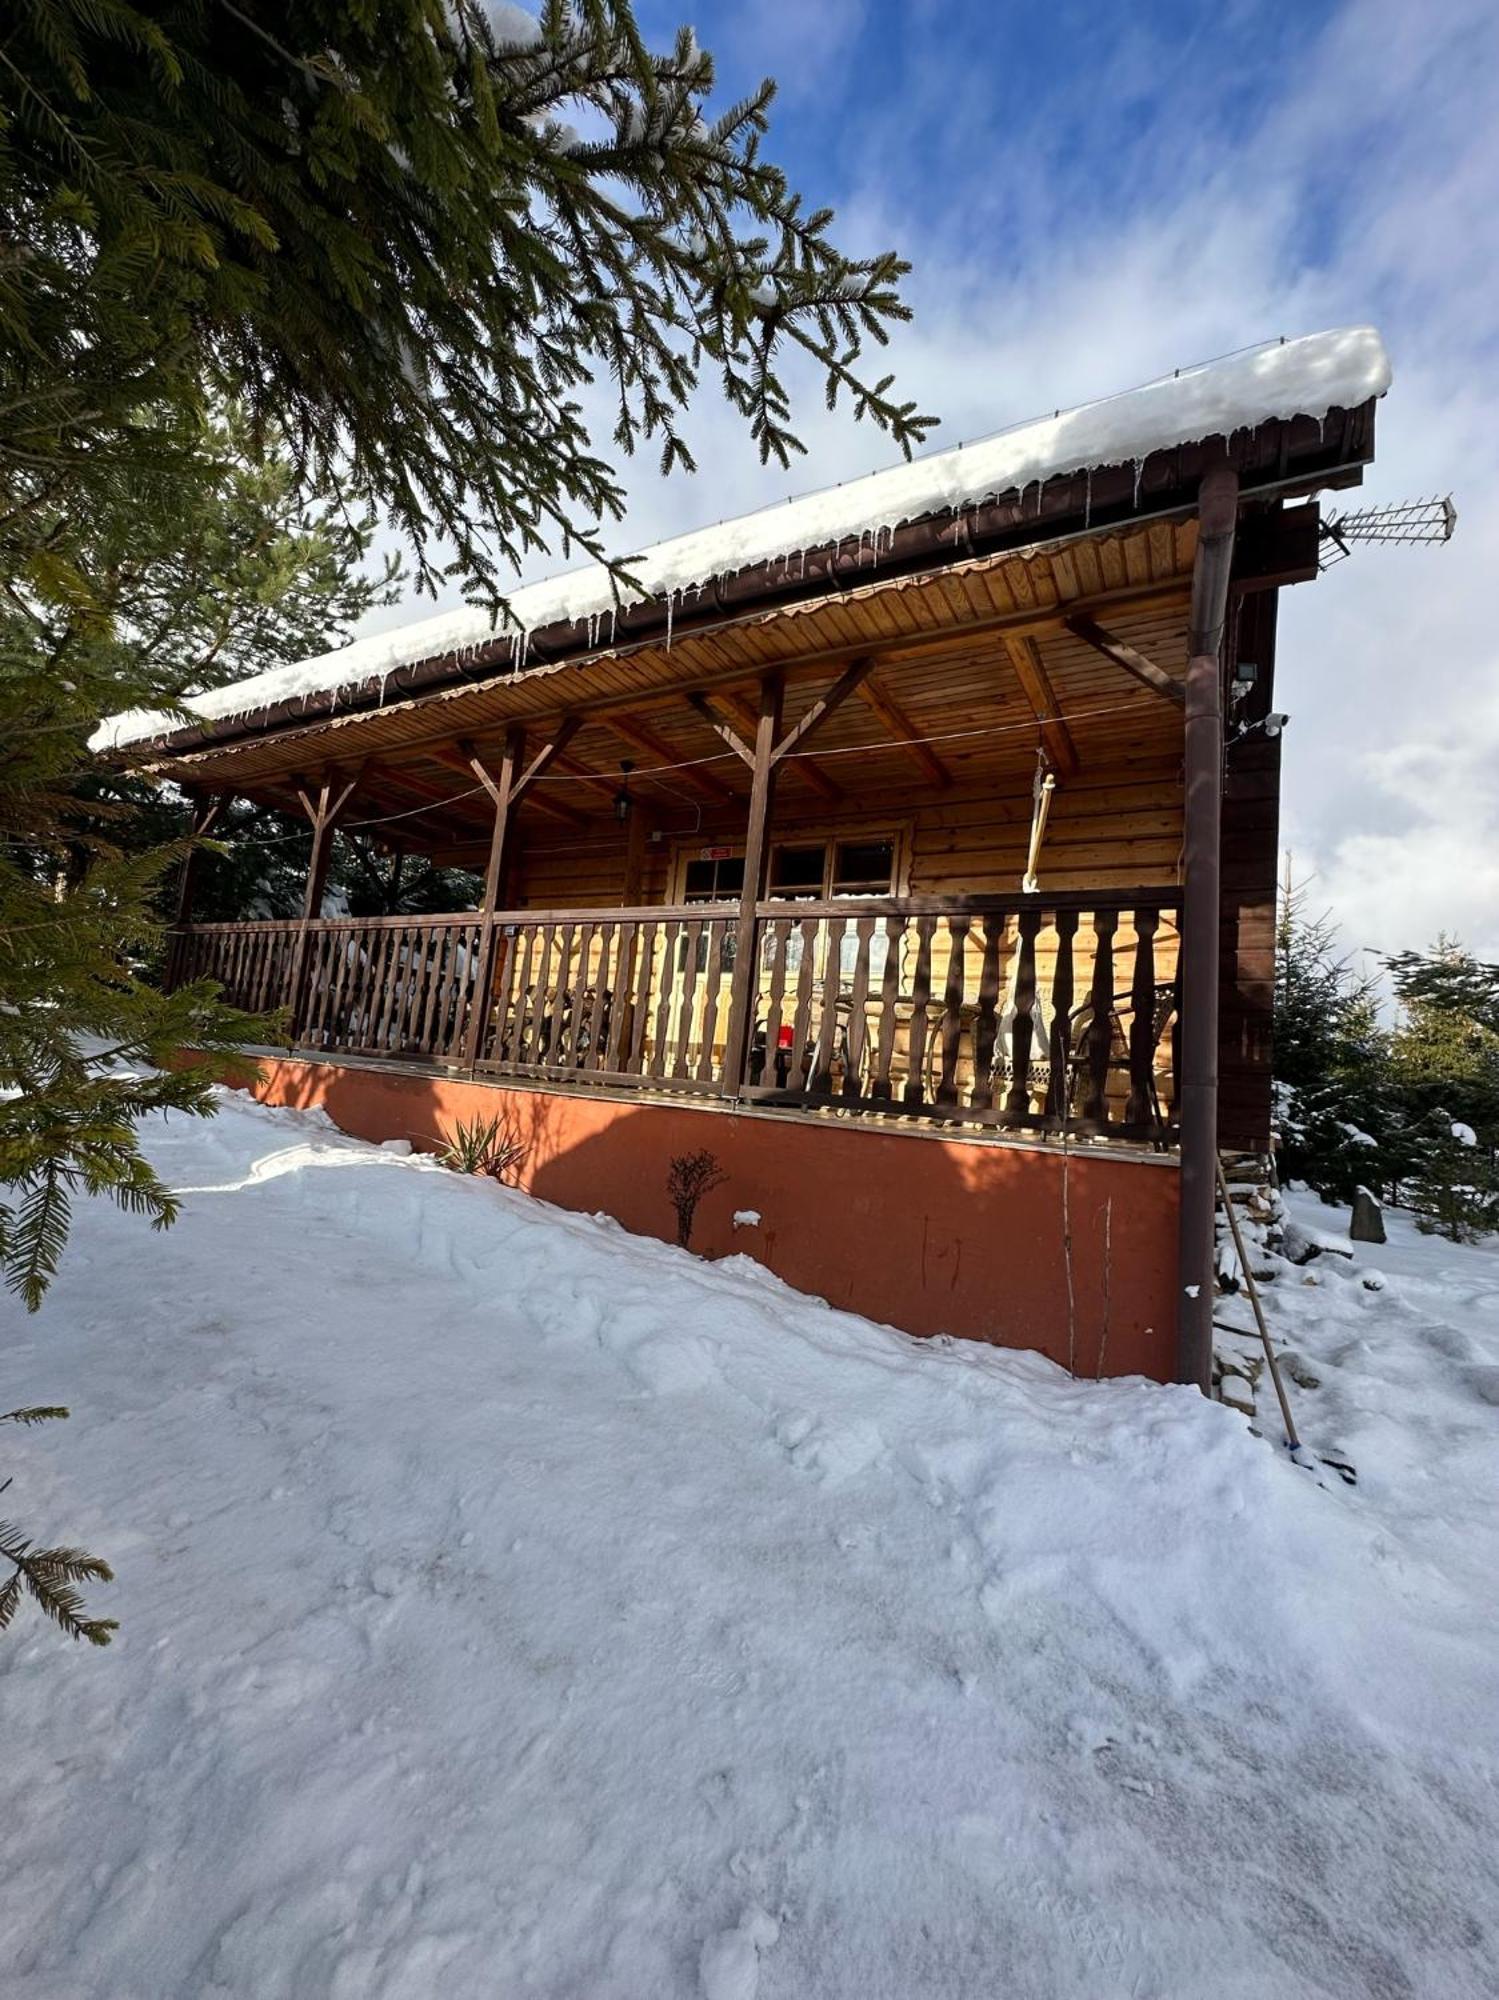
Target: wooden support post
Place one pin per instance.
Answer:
(324, 813)
(502, 787)
(206, 812)
(206, 809)
(756, 868)
(1217, 512)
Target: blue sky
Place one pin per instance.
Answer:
(1092, 194)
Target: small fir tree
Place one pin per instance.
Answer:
(1335, 1116)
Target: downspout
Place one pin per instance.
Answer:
(1217, 516)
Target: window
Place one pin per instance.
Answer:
(800, 871)
(713, 879)
(863, 867)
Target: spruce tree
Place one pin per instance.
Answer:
(407, 235)
(1444, 1062)
(1334, 1112)
(397, 241)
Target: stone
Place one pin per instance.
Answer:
(1297, 1368)
(1367, 1225)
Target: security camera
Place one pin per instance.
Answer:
(1275, 723)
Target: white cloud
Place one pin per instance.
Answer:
(1364, 189)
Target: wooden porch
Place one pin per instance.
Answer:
(1046, 1015)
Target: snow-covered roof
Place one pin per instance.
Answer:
(1306, 377)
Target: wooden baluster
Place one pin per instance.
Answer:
(236, 969)
(986, 1033)
(858, 1017)
(820, 1084)
(563, 938)
(315, 987)
(644, 973)
(263, 966)
(501, 1038)
(400, 999)
(457, 985)
(576, 969)
(1140, 1109)
(243, 961)
(952, 1009)
(380, 953)
(439, 943)
(895, 930)
(778, 931)
(598, 1013)
(660, 1044)
(715, 932)
(620, 1009)
(799, 1061)
(252, 993)
(355, 976)
(1101, 1027)
(692, 931)
(390, 979)
(1018, 1097)
(921, 994)
(358, 973)
(397, 989)
(525, 993)
(1059, 1094)
(441, 946)
(262, 976)
(414, 991)
(361, 972)
(543, 984)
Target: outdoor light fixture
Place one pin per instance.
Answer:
(622, 796)
(1271, 724)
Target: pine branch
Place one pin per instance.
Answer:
(50, 1577)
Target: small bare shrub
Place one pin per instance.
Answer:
(692, 1176)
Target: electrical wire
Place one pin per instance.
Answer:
(988, 730)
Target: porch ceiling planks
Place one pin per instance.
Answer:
(897, 621)
(686, 771)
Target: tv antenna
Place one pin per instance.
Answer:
(1397, 521)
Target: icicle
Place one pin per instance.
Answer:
(670, 598)
(1139, 475)
(1088, 498)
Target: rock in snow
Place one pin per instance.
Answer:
(512, 1606)
(1366, 1225)
(1305, 377)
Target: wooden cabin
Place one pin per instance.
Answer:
(910, 847)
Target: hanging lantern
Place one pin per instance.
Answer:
(622, 796)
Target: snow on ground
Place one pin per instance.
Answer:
(511, 1606)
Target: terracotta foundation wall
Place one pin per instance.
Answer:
(928, 1234)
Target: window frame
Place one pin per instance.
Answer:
(830, 839)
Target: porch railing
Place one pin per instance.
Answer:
(1033, 1013)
